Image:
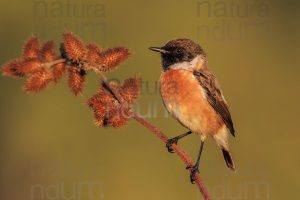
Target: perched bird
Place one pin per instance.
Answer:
(192, 95)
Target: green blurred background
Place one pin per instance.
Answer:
(50, 149)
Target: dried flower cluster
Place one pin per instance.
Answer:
(107, 110)
(32, 65)
(76, 52)
(41, 66)
(82, 58)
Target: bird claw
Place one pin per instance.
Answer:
(193, 171)
(169, 144)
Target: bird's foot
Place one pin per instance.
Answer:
(169, 144)
(193, 171)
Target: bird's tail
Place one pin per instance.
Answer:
(228, 159)
(222, 140)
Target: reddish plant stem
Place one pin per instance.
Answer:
(183, 155)
(112, 90)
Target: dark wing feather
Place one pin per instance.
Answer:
(214, 96)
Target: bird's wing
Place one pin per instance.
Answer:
(214, 96)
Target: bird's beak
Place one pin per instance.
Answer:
(159, 49)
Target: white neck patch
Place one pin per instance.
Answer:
(186, 65)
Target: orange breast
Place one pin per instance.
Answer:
(185, 99)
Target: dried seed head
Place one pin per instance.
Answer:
(118, 117)
(94, 54)
(58, 71)
(130, 89)
(38, 81)
(47, 53)
(75, 49)
(98, 103)
(103, 99)
(111, 58)
(92, 102)
(107, 110)
(10, 69)
(20, 68)
(100, 121)
(99, 113)
(29, 66)
(31, 48)
(76, 79)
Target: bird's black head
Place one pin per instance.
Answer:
(178, 51)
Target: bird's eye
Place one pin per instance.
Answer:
(179, 51)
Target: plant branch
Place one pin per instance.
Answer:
(112, 90)
(183, 155)
(50, 64)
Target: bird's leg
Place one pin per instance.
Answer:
(174, 140)
(195, 168)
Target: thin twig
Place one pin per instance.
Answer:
(183, 155)
(50, 64)
(112, 90)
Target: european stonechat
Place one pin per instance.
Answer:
(192, 95)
